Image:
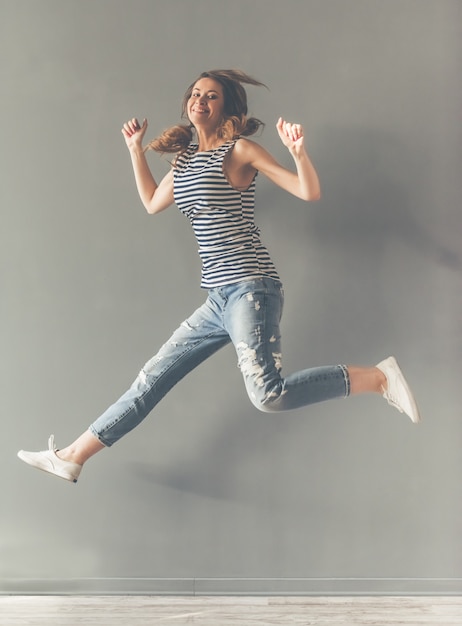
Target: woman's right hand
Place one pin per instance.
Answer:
(134, 133)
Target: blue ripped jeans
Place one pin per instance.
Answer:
(247, 314)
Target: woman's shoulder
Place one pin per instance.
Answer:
(246, 149)
(243, 144)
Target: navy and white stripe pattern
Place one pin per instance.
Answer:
(222, 218)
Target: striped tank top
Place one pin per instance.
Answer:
(222, 218)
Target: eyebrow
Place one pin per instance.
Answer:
(209, 91)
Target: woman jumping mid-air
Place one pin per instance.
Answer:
(212, 181)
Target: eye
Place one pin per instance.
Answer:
(213, 97)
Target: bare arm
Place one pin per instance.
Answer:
(155, 197)
(304, 183)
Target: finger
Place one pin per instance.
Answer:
(298, 130)
(128, 131)
(133, 125)
(291, 132)
(286, 129)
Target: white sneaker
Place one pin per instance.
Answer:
(49, 461)
(398, 393)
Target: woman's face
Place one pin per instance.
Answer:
(206, 103)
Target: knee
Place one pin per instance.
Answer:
(266, 401)
(263, 382)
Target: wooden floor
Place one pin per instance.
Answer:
(224, 611)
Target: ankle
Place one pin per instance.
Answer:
(69, 454)
(382, 383)
(81, 449)
(366, 380)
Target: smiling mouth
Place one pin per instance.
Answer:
(200, 110)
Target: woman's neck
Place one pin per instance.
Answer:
(207, 141)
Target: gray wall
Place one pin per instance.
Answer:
(209, 495)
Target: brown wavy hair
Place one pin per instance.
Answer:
(235, 121)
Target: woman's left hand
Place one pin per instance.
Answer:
(291, 136)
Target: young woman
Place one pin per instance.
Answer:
(212, 181)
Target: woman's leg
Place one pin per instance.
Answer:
(366, 379)
(362, 380)
(253, 315)
(252, 319)
(80, 450)
(200, 336)
(194, 341)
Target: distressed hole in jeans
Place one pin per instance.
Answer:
(258, 333)
(277, 356)
(150, 365)
(250, 298)
(248, 363)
